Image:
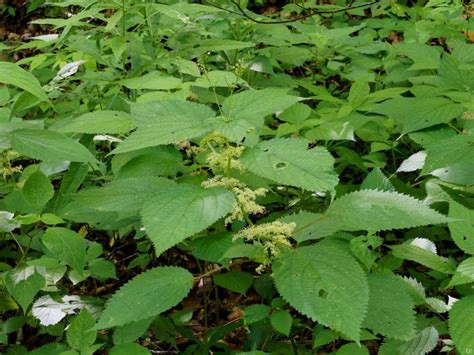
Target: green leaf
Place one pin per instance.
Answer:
(375, 210)
(130, 332)
(181, 211)
(462, 229)
(275, 160)
(423, 343)
(464, 273)
(255, 313)
(153, 81)
(416, 113)
(37, 190)
(67, 246)
(376, 180)
(311, 225)
(12, 74)
(411, 250)
(326, 284)
(237, 281)
(127, 195)
(24, 284)
(352, 349)
(129, 349)
(102, 269)
(254, 105)
(165, 122)
(213, 247)
(49, 145)
(111, 122)
(390, 310)
(80, 334)
(460, 324)
(281, 321)
(146, 295)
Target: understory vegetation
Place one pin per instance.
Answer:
(237, 178)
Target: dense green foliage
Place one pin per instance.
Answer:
(179, 177)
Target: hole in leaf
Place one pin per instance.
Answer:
(281, 165)
(323, 293)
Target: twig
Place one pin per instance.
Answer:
(311, 13)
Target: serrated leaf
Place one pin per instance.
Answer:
(12, 74)
(423, 343)
(390, 310)
(110, 122)
(146, 295)
(165, 122)
(128, 349)
(49, 145)
(237, 281)
(310, 225)
(181, 211)
(23, 287)
(80, 334)
(408, 251)
(254, 105)
(281, 321)
(461, 328)
(462, 230)
(326, 284)
(256, 313)
(416, 113)
(376, 180)
(127, 195)
(275, 160)
(67, 246)
(37, 190)
(375, 210)
(464, 273)
(130, 332)
(102, 269)
(352, 349)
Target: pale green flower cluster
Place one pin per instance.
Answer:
(245, 198)
(273, 237)
(226, 159)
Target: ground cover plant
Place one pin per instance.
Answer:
(238, 177)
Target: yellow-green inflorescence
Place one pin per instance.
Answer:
(245, 204)
(226, 159)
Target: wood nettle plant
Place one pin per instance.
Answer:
(197, 178)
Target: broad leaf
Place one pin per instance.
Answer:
(148, 294)
(326, 284)
(416, 113)
(181, 211)
(23, 285)
(281, 321)
(99, 122)
(165, 122)
(49, 145)
(127, 195)
(413, 251)
(12, 74)
(375, 210)
(462, 229)
(460, 324)
(37, 190)
(290, 162)
(237, 281)
(80, 334)
(254, 105)
(390, 310)
(67, 246)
